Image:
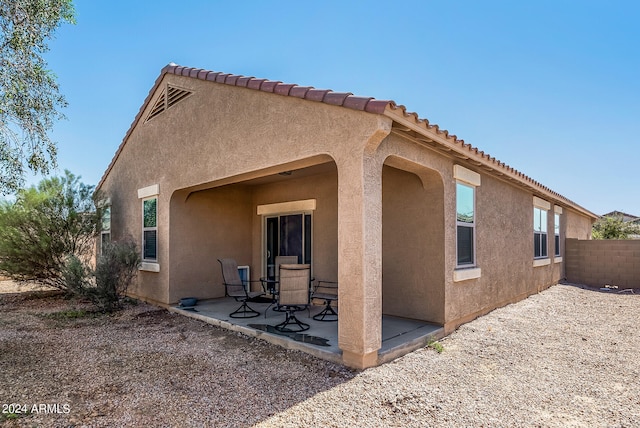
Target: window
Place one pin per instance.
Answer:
(150, 229)
(556, 231)
(105, 230)
(465, 224)
(539, 232)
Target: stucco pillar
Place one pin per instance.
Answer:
(360, 259)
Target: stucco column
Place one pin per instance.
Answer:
(360, 259)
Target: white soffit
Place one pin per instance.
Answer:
(152, 190)
(465, 175)
(287, 207)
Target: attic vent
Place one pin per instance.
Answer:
(168, 98)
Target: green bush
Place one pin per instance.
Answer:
(106, 286)
(613, 228)
(44, 227)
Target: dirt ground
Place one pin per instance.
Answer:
(143, 366)
(564, 357)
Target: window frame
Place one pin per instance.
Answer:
(105, 233)
(307, 229)
(149, 229)
(540, 207)
(470, 225)
(556, 233)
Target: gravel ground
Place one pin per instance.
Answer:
(564, 357)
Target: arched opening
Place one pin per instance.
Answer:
(248, 219)
(412, 241)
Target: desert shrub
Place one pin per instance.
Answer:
(45, 226)
(106, 285)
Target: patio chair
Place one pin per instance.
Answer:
(236, 288)
(293, 295)
(327, 291)
(272, 284)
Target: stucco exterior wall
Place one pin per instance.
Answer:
(504, 248)
(206, 226)
(412, 246)
(384, 225)
(214, 135)
(324, 189)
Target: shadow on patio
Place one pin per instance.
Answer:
(399, 335)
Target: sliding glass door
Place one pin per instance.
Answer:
(287, 235)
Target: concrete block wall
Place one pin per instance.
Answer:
(603, 262)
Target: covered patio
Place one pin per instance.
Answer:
(399, 335)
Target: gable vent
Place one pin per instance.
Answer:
(168, 98)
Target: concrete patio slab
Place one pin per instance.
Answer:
(399, 335)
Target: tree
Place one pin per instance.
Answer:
(45, 226)
(29, 96)
(611, 227)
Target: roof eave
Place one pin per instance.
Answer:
(467, 153)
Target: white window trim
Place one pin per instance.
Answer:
(541, 262)
(466, 274)
(466, 176)
(543, 205)
(287, 207)
(144, 194)
(149, 267)
(472, 179)
(147, 192)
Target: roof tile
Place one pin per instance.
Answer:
(335, 98)
(220, 78)
(232, 79)
(243, 81)
(316, 94)
(269, 85)
(347, 99)
(299, 91)
(283, 88)
(255, 83)
(356, 103)
(212, 75)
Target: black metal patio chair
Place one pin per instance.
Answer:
(238, 289)
(294, 295)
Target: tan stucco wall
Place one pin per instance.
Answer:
(206, 226)
(222, 138)
(215, 134)
(412, 246)
(505, 252)
(323, 188)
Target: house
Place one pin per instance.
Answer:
(410, 220)
(626, 218)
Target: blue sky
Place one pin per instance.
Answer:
(552, 88)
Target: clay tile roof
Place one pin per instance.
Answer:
(299, 91)
(268, 85)
(255, 83)
(243, 81)
(220, 78)
(335, 98)
(448, 142)
(283, 88)
(316, 94)
(212, 75)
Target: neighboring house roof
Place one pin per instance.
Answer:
(407, 123)
(624, 216)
